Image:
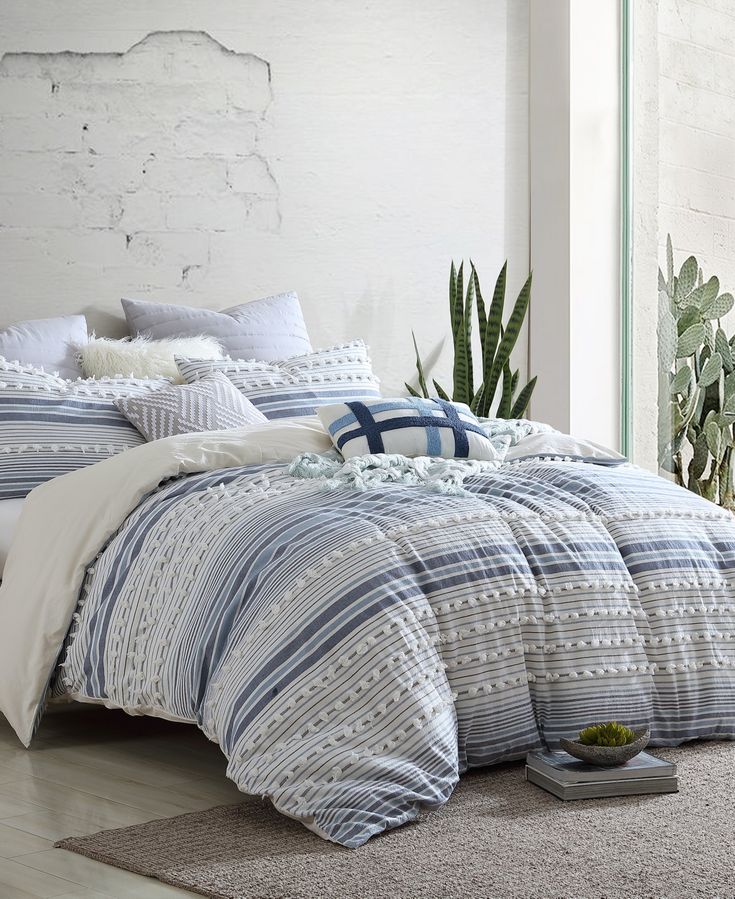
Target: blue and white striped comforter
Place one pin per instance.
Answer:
(353, 653)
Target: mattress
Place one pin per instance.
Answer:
(9, 514)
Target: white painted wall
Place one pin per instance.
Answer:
(644, 294)
(697, 133)
(575, 215)
(550, 133)
(391, 138)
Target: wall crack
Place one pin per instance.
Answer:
(147, 160)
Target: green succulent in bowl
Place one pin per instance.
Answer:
(607, 744)
(608, 734)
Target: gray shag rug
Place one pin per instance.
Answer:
(498, 836)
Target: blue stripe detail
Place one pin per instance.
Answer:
(49, 427)
(369, 428)
(461, 444)
(352, 652)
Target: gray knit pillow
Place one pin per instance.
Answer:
(267, 329)
(212, 404)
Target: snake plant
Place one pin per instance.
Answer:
(696, 381)
(497, 341)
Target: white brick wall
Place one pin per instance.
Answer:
(697, 133)
(212, 153)
(684, 168)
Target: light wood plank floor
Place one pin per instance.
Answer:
(91, 769)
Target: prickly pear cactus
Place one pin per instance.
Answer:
(696, 381)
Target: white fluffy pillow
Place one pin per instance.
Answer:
(140, 357)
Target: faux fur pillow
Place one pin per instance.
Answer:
(140, 357)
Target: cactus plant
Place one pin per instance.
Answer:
(608, 734)
(696, 381)
(497, 341)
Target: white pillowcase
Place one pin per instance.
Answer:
(50, 343)
(141, 357)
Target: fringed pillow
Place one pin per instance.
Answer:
(49, 426)
(296, 386)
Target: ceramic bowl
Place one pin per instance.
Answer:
(607, 756)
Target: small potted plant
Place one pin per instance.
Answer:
(607, 744)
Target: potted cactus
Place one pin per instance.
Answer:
(497, 341)
(696, 381)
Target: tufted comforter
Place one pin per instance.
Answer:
(354, 651)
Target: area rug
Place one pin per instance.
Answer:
(498, 836)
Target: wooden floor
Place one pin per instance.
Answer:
(92, 769)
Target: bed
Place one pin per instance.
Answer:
(10, 510)
(354, 651)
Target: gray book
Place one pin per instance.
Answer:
(565, 769)
(603, 789)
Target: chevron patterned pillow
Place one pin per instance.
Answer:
(212, 404)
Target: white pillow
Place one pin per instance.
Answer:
(49, 343)
(139, 357)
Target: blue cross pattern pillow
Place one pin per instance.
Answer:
(408, 426)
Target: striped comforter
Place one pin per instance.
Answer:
(354, 652)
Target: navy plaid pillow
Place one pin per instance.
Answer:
(409, 426)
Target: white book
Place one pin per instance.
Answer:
(603, 789)
(565, 769)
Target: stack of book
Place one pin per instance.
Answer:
(568, 778)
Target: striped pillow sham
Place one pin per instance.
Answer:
(49, 426)
(296, 386)
(408, 426)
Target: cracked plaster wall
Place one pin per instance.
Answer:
(141, 167)
(213, 153)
